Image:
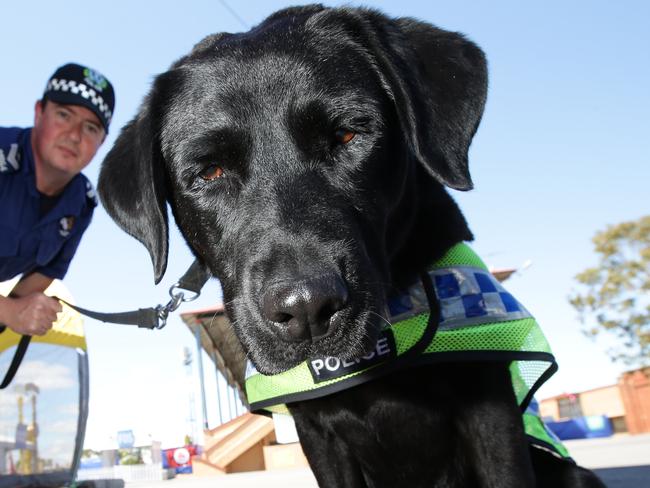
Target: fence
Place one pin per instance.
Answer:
(136, 472)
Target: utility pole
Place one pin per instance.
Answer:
(187, 362)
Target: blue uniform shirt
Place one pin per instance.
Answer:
(30, 242)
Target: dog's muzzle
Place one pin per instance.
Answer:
(304, 310)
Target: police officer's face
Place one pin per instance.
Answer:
(66, 137)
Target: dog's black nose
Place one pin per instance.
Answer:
(304, 309)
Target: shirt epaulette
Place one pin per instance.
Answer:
(10, 150)
(91, 194)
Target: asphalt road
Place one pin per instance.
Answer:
(627, 477)
(621, 461)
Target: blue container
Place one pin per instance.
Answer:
(582, 427)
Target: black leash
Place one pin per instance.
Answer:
(156, 317)
(21, 349)
(148, 318)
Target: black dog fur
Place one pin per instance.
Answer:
(305, 163)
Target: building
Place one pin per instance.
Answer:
(245, 442)
(626, 404)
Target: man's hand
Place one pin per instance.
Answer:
(33, 314)
(27, 310)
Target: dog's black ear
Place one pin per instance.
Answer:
(132, 186)
(452, 82)
(438, 81)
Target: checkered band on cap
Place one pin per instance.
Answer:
(88, 93)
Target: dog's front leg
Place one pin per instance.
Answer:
(329, 457)
(491, 427)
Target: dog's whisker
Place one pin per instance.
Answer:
(214, 316)
(388, 322)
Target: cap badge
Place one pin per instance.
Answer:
(95, 79)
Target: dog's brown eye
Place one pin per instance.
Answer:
(212, 172)
(344, 136)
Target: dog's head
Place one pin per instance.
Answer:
(304, 162)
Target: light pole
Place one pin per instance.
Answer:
(187, 362)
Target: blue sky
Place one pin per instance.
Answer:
(562, 151)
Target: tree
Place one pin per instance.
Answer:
(130, 456)
(615, 297)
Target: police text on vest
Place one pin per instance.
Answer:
(327, 368)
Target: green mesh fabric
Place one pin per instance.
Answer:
(514, 335)
(408, 332)
(535, 427)
(260, 387)
(459, 255)
(525, 374)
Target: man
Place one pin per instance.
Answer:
(46, 204)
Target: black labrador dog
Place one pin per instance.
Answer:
(305, 163)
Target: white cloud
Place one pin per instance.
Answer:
(46, 376)
(69, 409)
(59, 451)
(61, 427)
(160, 409)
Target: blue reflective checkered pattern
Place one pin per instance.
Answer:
(471, 296)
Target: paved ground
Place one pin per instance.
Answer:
(621, 461)
(293, 478)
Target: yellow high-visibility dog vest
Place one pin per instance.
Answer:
(475, 319)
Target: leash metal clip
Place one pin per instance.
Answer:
(175, 302)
